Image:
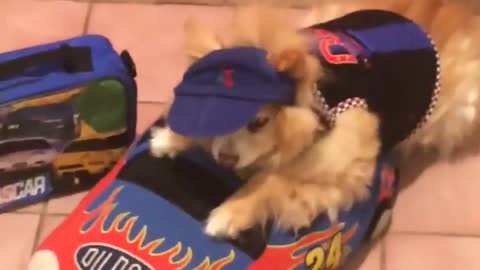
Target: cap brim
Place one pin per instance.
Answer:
(210, 116)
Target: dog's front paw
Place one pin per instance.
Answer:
(162, 143)
(295, 215)
(229, 220)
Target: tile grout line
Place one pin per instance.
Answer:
(444, 234)
(39, 213)
(383, 255)
(149, 102)
(41, 223)
(226, 4)
(159, 3)
(33, 212)
(88, 15)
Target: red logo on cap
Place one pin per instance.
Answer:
(227, 78)
(387, 183)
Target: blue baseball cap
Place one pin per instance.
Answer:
(224, 90)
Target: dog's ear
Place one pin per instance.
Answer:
(199, 39)
(298, 127)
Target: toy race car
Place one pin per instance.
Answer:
(54, 122)
(148, 214)
(25, 154)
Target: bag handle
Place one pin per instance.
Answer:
(71, 59)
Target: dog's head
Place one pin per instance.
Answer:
(275, 136)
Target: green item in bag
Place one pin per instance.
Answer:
(103, 105)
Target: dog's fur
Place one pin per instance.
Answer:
(305, 169)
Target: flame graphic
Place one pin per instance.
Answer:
(293, 255)
(121, 235)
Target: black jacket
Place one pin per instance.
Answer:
(381, 61)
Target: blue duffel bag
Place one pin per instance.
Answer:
(67, 114)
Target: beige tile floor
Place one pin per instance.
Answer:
(436, 224)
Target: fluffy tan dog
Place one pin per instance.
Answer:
(304, 166)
